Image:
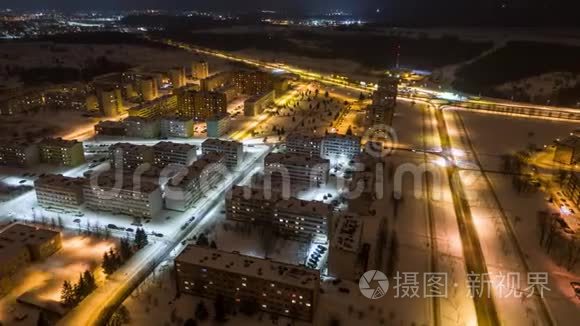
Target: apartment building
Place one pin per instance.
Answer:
(165, 153)
(57, 151)
(299, 143)
(256, 104)
(218, 126)
(233, 150)
(19, 153)
(202, 176)
(130, 156)
(381, 111)
(302, 220)
(346, 244)
(200, 69)
(111, 128)
(139, 198)
(200, 105)
(177, 127)
(141, 127)
(336, 146)
(251, 205)
(177, 77)
(277, 288)
(20, 245)
(292, 218)
(60, 193)
(155, 108)
(216, 81)
(299, 170)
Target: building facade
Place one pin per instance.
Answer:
(106, 193)
(296, 170)
(233, 150)
(19, 153)
(218, 126)
(57, 151)
(200, 69)
(202, 176)
(336, 146)
(166, 153)
(304, 144)
(142, 127)
(256, 104)
(278, 288)
(130, 156)
(176, 127)
(60, 193)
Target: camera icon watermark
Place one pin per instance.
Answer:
(373, 284)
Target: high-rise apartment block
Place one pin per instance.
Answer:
(381, 111)
(200, 105)
(278, 288)
(148, 88)
(200, 69)
(177, 77)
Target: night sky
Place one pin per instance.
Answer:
(407, 11)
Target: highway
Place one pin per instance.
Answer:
(484, 105)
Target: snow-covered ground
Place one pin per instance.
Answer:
(501, 251)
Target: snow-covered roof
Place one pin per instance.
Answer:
(294, 159)
(236, 263)
(348, 233)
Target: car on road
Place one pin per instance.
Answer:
(77, 220)
(159, 235)
(129, 230)
(112, 226)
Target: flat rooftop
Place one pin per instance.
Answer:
(253, 193)
(348, 233)
(306, 207)
(221, 144)
(236, 263)
(58, 180)
(59, 142)
(294, 159)
(26, 235)
(195, 170)
(168, 146)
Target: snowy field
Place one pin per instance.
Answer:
(500, 251)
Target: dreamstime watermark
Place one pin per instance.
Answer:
(374, 285)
